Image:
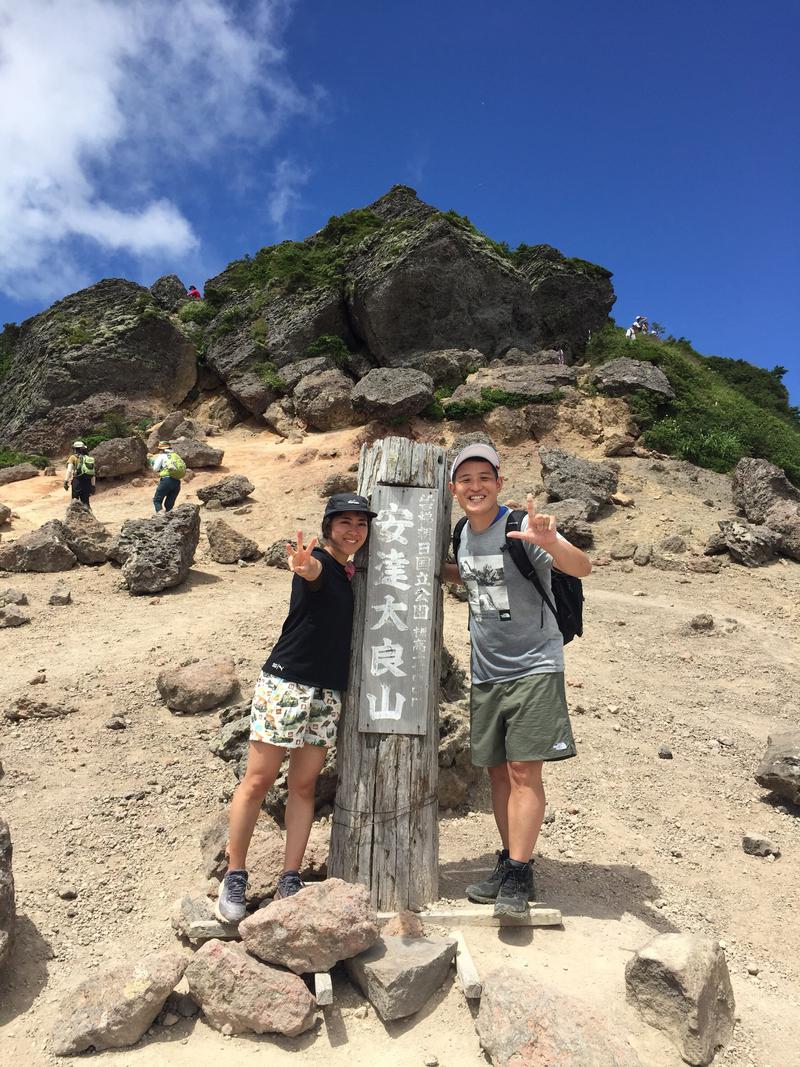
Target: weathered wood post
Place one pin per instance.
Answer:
(385, 830)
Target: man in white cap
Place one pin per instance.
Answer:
(518, 709)
(80, 473)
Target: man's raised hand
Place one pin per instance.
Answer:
(541, 528)
(301, 560)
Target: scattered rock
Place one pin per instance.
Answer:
(568, 477)
(758, 486)
(571, 517)
(11, 595)
(323, 400)
(779, 769)
(622, 500)
(749, 545)
(239, 994)
(11, 616)
(230, 490)
(643, 555)
(390, 392)
(702, 622)
(227, 545)
(114, 1008)
(168, 291)
(24, 708)
(194, 918)
(18, 473)
(620, 377)
(311, 931)
(120, 455)
(68, 892)
(621, 444)
(342, 482)
(116, 722)
(156, 553)
(8, 909)
(61, 595)
(702, 565)
(623, 550)
(199, 686)
(44, 550)
(5, 514)
(675, 543)
(755, 845)
(404, 924)
(87, 538)
(522, 1024)
(514, 385)
(196, 453)
(665, 752)
(275, 555)
(783, 518)
(680, 984)
(399, 975)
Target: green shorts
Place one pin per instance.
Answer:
(523, 719)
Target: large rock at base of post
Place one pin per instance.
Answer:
(197, 453)
(620, 377)
(237, 992)
(568, 477)
(44, 550)
(157, 553)
(324, 401)
(758, 486)
(86, 536)
(228, 491)
(8, 911)
(198, 686)
(779, 769)
(389, 392)
(18, 473)
(680, 984)
(522, 1024)
(311, 931)
(399, 975)
(227, 545)
(120, 455)
(116, 1007)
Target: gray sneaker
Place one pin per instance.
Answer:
(486, 891)
(289, 883)
(230, 902)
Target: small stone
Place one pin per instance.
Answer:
(665, 752)
(702, 622)
(726, 742)
(116, 722)
(755, 845)
(11, 616)
(67, 892)
(431, 1061)
(61, 595)
(169, 1019)
(753, 969)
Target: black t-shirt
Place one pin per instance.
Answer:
(314, 645)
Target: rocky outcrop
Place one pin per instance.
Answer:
(8, 912)
(779, 769)
(758, 486)
(447, 366)
(157, 553)
(120, 455)
(86, 537)
(568, 477)
(389, 392)
(512, 385)
(621, 377)
(18, 473)
(226, 545)
(324, 400)
(196, 453)
(230, 490)
(105, 348)
(44, 550)
(750, 545)
(168, 291)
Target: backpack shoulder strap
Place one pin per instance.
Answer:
(521, 558)
(457, 536)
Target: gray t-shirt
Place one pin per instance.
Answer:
(514, 633)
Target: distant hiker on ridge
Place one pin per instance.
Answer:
(80, 474)
(171, 468)
(193, 293)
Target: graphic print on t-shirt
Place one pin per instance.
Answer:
(485, 581)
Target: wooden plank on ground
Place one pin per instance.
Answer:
(467, 972)
(483, 917)
(323, 988)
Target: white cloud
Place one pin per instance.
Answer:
(104, 97)
(287, 180)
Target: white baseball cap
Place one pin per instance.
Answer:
(476, 451)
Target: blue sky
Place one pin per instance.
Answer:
(658, 140)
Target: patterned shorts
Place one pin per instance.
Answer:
(290, 715)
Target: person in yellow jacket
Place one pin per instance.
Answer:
(170, 468)
(80, 473)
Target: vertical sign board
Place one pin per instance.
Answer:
(398, 630)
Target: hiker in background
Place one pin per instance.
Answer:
(80, 474)
(630, 333)
(193, 293)
(518, 708)
(171, 468)
(641, 324)
(298, 697)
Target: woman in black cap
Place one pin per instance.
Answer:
(298, 696)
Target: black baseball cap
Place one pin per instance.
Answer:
(341, 502)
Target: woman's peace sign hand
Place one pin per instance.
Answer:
(301, 560)
(541, 528)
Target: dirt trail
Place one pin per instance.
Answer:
(639, 844)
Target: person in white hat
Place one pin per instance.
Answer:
(80, 474)
(518, 709)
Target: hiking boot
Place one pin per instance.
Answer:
(486, 892)
(289, 883)
(230, 902)
(516, 890)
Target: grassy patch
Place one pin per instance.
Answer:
(467, 409)
(331, 346)
(199, 311)
(716, 417)
(77, 333)
(229, 320)
(435, 410)
(9, 457)
(268, 373)
(112, 425)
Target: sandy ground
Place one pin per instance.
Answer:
(639, 845)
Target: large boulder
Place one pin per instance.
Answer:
(18, 473)
(168, 291)
(230, 490)
(120, 455)
(389, 392)
(750, 545)
(324, 400)
(572, 519)
(399, 975)
(227, 545)
(779, 769)
(680, 984)
(568, 477)
(447, 366)
(45, 550)
(5, 514)
(165, 430)
(241, 995)
(8, 912)
(620, 377)
(512, 386)
(758, 486)
(311, 931)
(198, 686)
(115, 1007)
(86, 536)
(195, 453)
(783, 518)
(105, 348)
(156, 553)
(523, 1024)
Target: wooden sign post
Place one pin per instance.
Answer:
(385, 825)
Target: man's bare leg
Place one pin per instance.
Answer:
(501, 791)
(525, 810)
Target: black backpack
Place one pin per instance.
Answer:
(567, 591)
